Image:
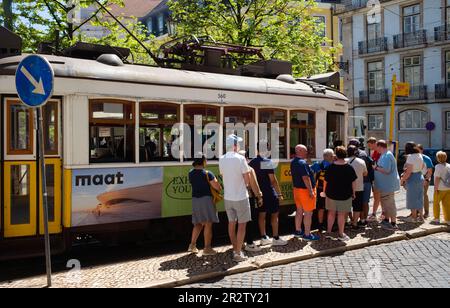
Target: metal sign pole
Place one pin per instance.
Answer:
(44, 194)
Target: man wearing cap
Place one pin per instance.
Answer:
(236, 177)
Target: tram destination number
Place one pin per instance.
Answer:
(224, 298)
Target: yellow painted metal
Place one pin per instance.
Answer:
(67, 210)
(54, 226)
(20, 229)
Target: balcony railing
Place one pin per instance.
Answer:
(373, 96)
(442, 91)
(441, 33)
(374, 45)
(350, 5)
(416, 93)
(410, 39)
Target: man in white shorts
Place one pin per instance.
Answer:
(236, 177)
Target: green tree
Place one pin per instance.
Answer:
(285, 29)
(41, 20)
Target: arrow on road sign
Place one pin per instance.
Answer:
(38, 86)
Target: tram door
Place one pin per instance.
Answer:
(23, 213)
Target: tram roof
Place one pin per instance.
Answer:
(65, 67)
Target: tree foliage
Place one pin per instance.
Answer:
(285, 29)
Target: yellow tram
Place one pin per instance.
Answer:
(108, 131)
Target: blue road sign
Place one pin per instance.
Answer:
(34, 81)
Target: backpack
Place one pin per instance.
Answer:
(446, 177)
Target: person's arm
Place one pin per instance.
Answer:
(254, 184)
(216, 185)
(308, 184)
(354, 189)
(276, 186)
(246, 178)
(407, 174)
(429, 174)
(437, 181)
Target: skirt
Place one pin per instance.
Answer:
(204, 210)
(414, 191)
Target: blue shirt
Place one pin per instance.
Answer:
(317, 167)
(200, 187)
(263, 168)
(387, 183)
(428, 161)
(299, 169)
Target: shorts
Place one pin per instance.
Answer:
(303, 200)
(367, 192)
(238, 211)
(271, 205)
(342, 206)
(388, 204)
(357, 204)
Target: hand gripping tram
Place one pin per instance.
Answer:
(108, 133)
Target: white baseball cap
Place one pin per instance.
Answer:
(233, 140)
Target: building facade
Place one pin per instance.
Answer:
(409, 39)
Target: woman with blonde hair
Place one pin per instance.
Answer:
(441, 190)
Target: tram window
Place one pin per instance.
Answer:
(244, 117)
(155, 131)
(303, 131)
(20, 194)
(335, 129)
(271, 116)
(20, 129)
(50, 180)
(210, 114)
(50, 113)
(111, 132)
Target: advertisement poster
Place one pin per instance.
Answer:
(103, 196)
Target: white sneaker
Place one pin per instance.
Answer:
(265, 241)
(344, 238)
(279, 242)
(252, 248)
(239, 257)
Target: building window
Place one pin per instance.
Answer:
(411, 18)
(413, 119)
(320, 22)
(303, 131)
(411, 70)
(244, 121)
(448, 120)
(447, 13)
(373, 30)
(155, 131)
(271, 116)
(376, 121)
(447, 66)
(209, 114)
(375, 76)
(161, 24)
(19, 129)
(150, 25)
(111, 131)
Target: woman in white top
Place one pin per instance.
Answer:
(413, 181)
(441, 191)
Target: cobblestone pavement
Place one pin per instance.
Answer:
(421, 263)
(181, 267)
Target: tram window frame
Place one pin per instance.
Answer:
(307, 126)
(128, 122)
(190, 123)
(29, 150)
(54, 151)
(282, 127)
(237, 110)
(159, 123)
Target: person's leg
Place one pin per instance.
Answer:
(376, 201)
(445, 197)
(207, 234)
(196, 233)
(240, 237)
(262, 224)
(252, 226)
(437, 206)
(299, 219)
(307, 223)
(356, 216)
(275, 225)
(342, 216)
(426, 200)
(331, 220)
(321, 216)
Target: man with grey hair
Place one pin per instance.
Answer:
(236, 178)
(320, 168)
